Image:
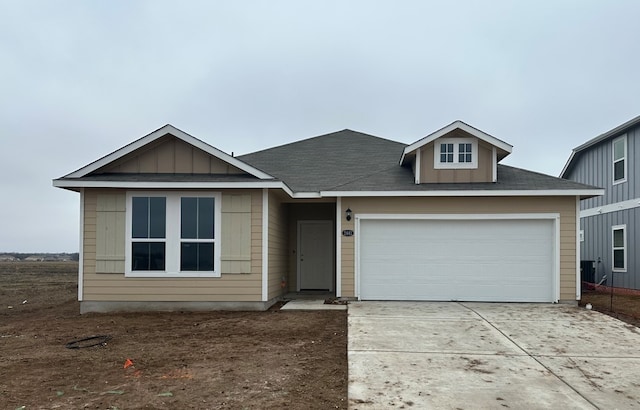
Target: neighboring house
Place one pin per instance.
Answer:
(170, 222)
(610, 224)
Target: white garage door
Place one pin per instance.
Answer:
(503, 260)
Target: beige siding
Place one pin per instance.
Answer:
(565, 206)
(278, 245)
(170, 155)
(484, 172)
(244, 241)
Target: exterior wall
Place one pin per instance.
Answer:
(595, 167)
(241, 256)
(304, 212)
(170, 155)
(565, 206)
(278, 245)
(484, 172)
(597, 246)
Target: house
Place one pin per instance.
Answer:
(610, 224)
(170, 222)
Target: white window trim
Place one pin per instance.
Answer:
(613, 159)
(172, 237)
(455, 164)
(624, 247)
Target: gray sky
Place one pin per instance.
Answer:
(80, 79)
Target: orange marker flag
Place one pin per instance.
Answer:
(128, 363)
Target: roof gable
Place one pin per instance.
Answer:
(121, 159)
(615, 132)
(504, 149)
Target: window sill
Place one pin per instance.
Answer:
(172, 275)
(455, 165)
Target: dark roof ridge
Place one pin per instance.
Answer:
(362, 177)
(317, 137)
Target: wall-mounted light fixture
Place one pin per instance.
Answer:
(348, 211)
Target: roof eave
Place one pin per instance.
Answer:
(582, 193)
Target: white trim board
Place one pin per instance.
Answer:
(81, 250)
(605, 209)
(339, 247)
(547, 192)
(265, 244)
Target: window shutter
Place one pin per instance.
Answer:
(236, 234)
(110, 233)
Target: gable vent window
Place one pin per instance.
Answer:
(456, 153)
(464, 153)
(446, 152)
(619, 159)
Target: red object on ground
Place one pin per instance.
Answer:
(128, 363)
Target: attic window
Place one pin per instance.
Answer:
(453, 153)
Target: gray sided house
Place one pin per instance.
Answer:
(610, 224)
(170, 222)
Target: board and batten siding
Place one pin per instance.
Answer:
(565, 206)
(594, 166)
(484, 172)
(278, 245)
(103, 263)
(597, 245)
(170, 155)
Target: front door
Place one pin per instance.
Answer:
(315, 255)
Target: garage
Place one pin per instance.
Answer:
(499, 258)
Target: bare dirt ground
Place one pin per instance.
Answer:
(623, 307)
(210, 360)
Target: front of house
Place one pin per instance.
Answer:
(169, 222)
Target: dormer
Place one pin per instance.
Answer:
(457, 153)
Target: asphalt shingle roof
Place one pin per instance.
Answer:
(352, 161)
(323, 162)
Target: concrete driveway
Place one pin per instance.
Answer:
(490, 355)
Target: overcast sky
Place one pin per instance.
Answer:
(80, 79)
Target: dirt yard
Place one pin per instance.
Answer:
(623, 307)
(213, 360)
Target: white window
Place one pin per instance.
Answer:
(452, 153)
(619, 159)
(619, 248)
(173, 234)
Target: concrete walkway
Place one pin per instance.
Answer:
(488, 355)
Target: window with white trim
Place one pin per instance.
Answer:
(619, 159)
(173, 234)
(452, 153)
(619, 248)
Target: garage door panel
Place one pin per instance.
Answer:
(474, 260)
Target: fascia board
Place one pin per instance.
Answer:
(566, 166)
(462, 193)
(457, 125)
(167, 129)
(69, 183)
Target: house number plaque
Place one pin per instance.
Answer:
(347, 232)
